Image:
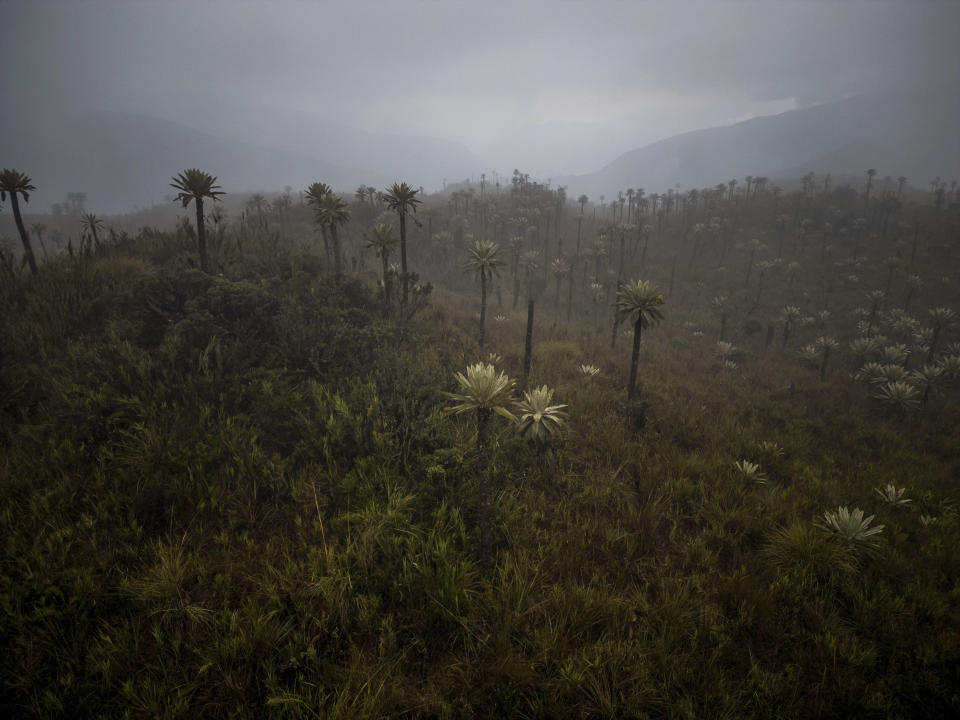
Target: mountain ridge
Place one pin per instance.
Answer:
(778, 145)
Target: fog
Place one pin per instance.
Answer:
(554, 88)
(479, 359)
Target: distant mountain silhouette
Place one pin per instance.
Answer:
(910, 134)
(415, 159)
(120, 160)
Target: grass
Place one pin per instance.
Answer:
(238, 496)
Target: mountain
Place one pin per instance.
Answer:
(905, 133)
(417, 159)
(120, 160)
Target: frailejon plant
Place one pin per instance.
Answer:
(851, 526)
(751, 471)
(941, 316)
(862, 349)
(402, 199)
(482, 259)
(484, 390)
(929, 377)
(809, 355)
(14, 184)
(640, 301)
(899, 394)
(589, 371)
(825, 344)
(194, 185)
(892, 495)
(896, 354)
(950, 365)
(790, 317)
(875, 373)
(538, 420)
(332, 213)
(383, 243)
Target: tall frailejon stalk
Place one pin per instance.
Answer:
(616, 316)
(720, 305)
(14, 184)
(315, 194)
(533, 287)
(942, 316)
(560, 268)
(332, 213)
(825, 344)
(482, 259)
(383, 243)
(402, 199)
(486, 391)
(91, 226)
(194, 185)
(639, 301)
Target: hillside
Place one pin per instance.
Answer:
(272, 491)
(886, 131)
(120, 160)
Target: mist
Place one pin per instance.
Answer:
(479, 359)
(441, 91)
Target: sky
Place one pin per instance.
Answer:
(557, 87)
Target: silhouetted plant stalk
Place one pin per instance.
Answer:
(402, 199)
(16, 184)
(640, 301)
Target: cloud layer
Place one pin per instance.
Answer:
(559, 86)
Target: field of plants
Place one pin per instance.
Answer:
(491, 452)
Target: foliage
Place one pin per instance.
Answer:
(193, 184)
(538, 420)
(750, 471)
(852, 526)
(588, 370)
(899, 394)
(481, 387)
(482, 259)
(238, 495)
(640, 301)
(893, 495)
(14, 181)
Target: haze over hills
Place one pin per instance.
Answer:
(883, 131)
(121, 160)
(418, 159)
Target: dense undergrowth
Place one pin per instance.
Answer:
(237, 495)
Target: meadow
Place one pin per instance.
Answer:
(240, 477)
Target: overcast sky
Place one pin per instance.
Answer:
(598, 76)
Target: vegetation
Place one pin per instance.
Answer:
(485, 390)
(640, 301)
(332, 213)
(402, 199)
(482, 260)
(229, 486)
(13, 184)
(194, 185)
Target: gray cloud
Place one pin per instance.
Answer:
(608, 76)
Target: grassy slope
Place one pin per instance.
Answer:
(239, 496)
